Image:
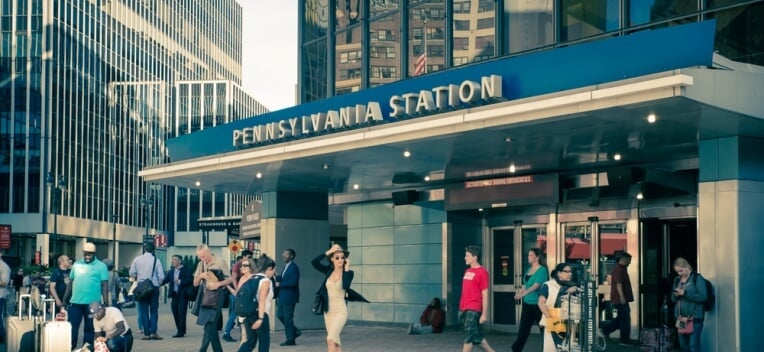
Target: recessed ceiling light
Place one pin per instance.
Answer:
(326, 166)
(259, 175)
(356, 186)
(198, 183)
(651, 118)
(617, 156)
(407, 154)
(640, 196)
(512, 168)
(508, 139)
(427, 178)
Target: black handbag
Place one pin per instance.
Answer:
(210, 298)
(145, 288)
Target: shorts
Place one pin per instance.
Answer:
(471, 322)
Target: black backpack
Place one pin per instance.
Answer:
(710, 296)
(246, 297)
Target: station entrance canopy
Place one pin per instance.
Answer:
(558, 113)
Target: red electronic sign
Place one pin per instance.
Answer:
(5, 236)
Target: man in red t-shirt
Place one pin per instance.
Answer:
(473, 305)
(620, 295)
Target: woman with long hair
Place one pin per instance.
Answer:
(536, 275)
(257, 327)
(550, 295)
(689, 293)
(337, 283)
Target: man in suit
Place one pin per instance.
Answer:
(288, 284)
(179, 278)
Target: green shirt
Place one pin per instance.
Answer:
(539, 277)
(86, 281)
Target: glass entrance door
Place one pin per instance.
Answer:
(508, 263)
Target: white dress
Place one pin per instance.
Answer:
(337, 315)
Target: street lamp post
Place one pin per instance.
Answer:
(55, 202)
(146, 203)
(114, 218)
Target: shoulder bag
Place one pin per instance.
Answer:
(684, 325)
(145, 288)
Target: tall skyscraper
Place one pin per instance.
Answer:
(89, 92)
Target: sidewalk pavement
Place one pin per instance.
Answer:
(356, 337)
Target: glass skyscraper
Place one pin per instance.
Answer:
(349, 45)
(89, 92)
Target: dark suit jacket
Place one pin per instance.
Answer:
(347, 279)
(186, 279)
(289, 285)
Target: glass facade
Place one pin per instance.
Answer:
(366, 36)
(89, 92)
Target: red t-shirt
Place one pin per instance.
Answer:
(619, 275)
(474, 282)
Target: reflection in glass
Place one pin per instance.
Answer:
(349, 61)
(314, 71)
(646, 11)
(379, 7)
(533, 237)
(384, 49)
(348, 13)
(736, 39)
(316, 19)
(531, 24)
(580, 19)
(426, 37)
(474, 31)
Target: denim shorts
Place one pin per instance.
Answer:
(471, 323)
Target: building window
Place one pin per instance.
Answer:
(461, 25)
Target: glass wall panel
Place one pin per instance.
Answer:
(427, 33)
(316, 19)
(474, 31)
(384, 48)
(586, 18)
(381, 7)
(314, 71)
(736, 38)
(348, 61)
(530, 23)
(348, 14)
(646, 11)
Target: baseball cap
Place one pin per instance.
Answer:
(94, 308)
(89, 247)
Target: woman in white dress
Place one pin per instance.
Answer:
(337, 283)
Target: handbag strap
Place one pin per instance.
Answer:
(153, 269)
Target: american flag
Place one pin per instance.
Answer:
(420, 66)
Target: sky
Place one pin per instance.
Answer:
(269, 57)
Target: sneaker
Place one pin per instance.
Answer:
(228, 338)
(155, 337)
(411, 329)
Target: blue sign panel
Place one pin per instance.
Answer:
(561, 69)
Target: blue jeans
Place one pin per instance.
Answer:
(148, 311)
(285, 313)
(120, 343)
(231, 315)
(621, 322)
(263, 334)
(78, 313)
(691, 342)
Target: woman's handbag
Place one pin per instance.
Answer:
(318, 304)
(554, 323)
(210, 298)
(684, 325)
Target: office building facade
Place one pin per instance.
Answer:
(89, 92)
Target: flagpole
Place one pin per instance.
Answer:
(424, 35)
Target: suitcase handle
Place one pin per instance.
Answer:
(45, 308)
(21, 305)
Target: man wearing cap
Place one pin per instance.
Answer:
(146, 267)
(88, 283)
(111, 327)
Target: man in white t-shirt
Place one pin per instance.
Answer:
(109, 326)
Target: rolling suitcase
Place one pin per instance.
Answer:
(54, 335)
(659, 339)
(20, 329)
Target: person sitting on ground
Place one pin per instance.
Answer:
(431, 321)
(110, 327)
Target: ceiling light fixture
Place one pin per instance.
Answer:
(356, 186)
(326, 166)
(407, 154)
(198, 183)
(512, 168)
(617, 156)
(508, 139)
(259, 175)
(651, 118)
(427, 178)
(640, 196)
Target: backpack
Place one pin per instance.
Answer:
(246, 297)
(710, 296)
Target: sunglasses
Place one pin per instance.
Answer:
(565, 271)
(343, 258)
(245, 265)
